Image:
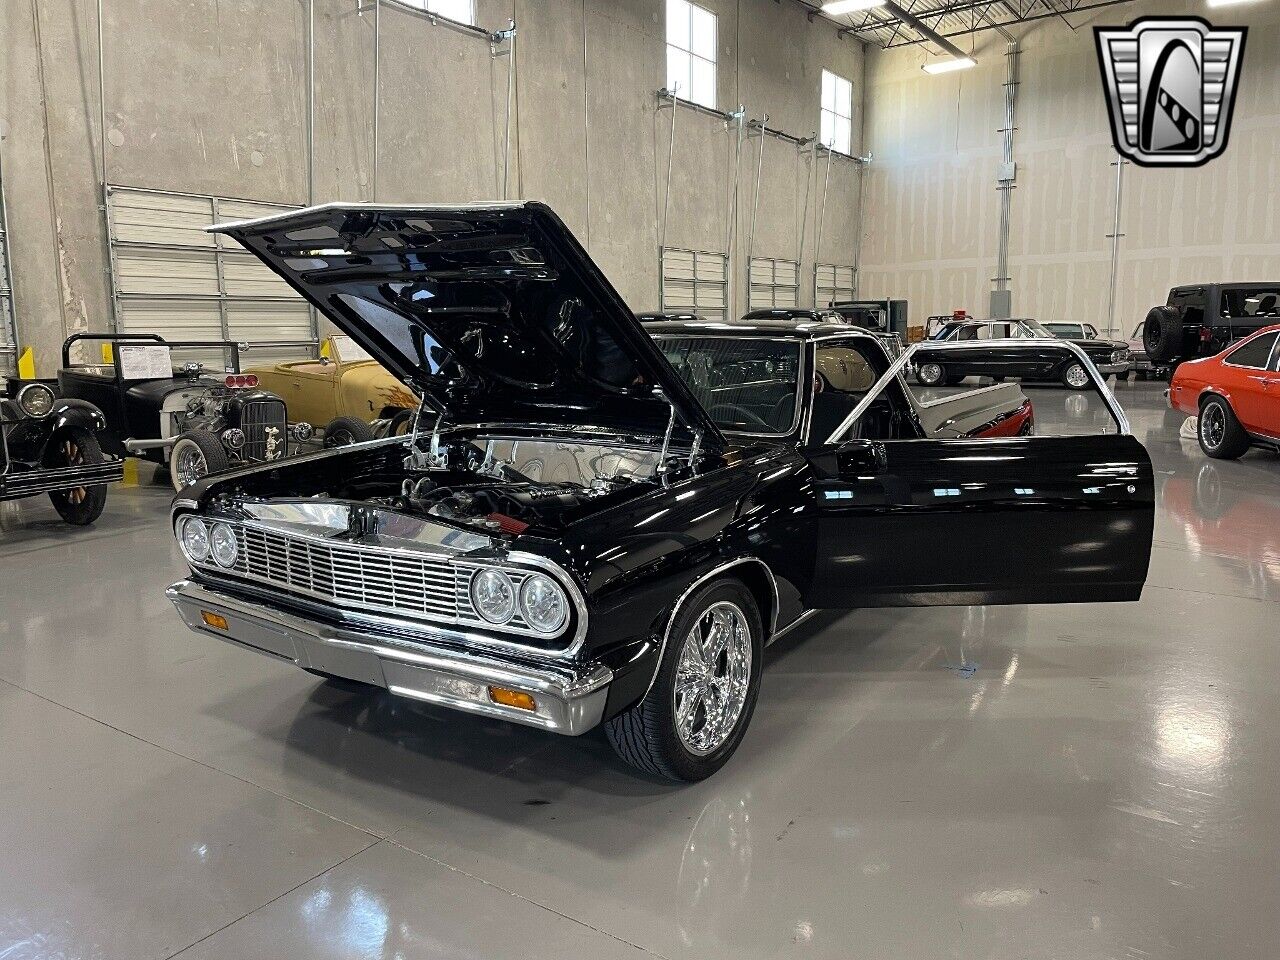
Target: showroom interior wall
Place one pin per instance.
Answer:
(209, 97)
(932, 209)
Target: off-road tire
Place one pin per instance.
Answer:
(1234, 441)
(82, 505)
(344, 431)
(1162, 334)
(645, 736)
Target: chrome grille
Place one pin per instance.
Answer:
(258, 418)
(352, 576)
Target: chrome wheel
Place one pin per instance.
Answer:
(189, 464)
(930, 374)
(713, 673)
(1213, 425)
(1076, 376)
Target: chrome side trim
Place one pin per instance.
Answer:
(792, 625)
(689, 591)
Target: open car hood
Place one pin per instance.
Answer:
(493, 311)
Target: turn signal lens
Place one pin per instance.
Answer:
(217, 621)
(512, 698)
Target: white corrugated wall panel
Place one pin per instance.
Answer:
(695, 281)
(173, 278)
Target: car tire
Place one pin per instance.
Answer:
(931, 374)
(1075, 376)
(196, 455)
(652, 736)
(344, 431)
(1219, 432)
(400, 424)
(74, 446)
(1162, 334)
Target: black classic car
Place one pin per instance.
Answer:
(579, 529)
(1203, 319)
(195, 422)
(1014, 360)
(50, 445)
(804, 315)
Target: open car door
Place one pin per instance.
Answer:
(907, 517)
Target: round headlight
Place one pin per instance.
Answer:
(233, 438)
(35, 400)
(222, 543)
(195, 539)
(543, 603)
(493, 595)
(302, 432)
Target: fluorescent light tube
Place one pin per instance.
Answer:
(837, 7)
(947, 66)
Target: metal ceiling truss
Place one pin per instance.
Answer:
(931, 21)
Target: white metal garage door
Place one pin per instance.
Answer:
(694, 281)
(833, 282)
(8, 322)
(170, 277)
(774, 283)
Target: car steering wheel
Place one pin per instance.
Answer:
(741, 413)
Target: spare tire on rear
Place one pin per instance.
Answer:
(1162, 334)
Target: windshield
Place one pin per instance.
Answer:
(348, 351)
(1035, 328)
(748, 385)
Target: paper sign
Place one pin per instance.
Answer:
(144, 362)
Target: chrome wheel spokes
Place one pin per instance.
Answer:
(191, 466)
(713, 673)
(1213, 425)
(1076, 376)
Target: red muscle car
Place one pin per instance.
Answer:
(1236, 395)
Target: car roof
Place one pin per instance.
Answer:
(651, 316)
(785, 313)
(759, 328)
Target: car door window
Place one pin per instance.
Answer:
(1253, 353)
(1240, 303)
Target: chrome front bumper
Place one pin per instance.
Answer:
(1109, 368)
(568, 698)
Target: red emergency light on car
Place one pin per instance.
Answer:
(238, 381)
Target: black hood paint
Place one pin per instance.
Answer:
(493, 311)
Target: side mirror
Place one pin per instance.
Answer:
(852, 458)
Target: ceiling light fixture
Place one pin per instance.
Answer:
(837, 7)
(949, 65)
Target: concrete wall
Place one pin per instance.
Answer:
(209, 96)
(933, 212)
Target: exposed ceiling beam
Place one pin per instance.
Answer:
(922, 28)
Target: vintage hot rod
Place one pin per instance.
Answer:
(580, 530)
(189, 419)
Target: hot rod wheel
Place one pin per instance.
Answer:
(196, 455)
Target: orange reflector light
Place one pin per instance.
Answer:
(512, 698)
(214, 619)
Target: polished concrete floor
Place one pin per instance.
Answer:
(1015, 782)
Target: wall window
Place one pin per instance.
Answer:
(836, 127)
(691, 52)
(463, 11)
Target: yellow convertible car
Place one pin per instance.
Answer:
(346, 389)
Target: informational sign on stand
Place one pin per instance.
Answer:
(144, 361)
